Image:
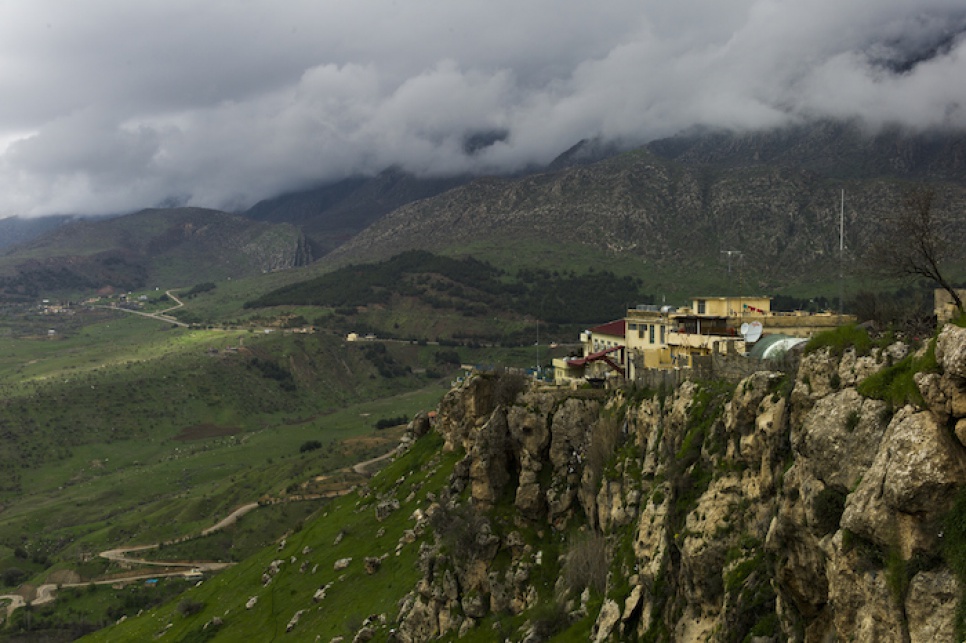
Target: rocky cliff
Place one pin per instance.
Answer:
(790, 507)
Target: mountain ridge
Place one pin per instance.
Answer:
(179, 246)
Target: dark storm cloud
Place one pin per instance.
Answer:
(112, 105)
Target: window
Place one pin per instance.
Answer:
(632, 327)
(662, 334)
(702, 306)
(650, 337)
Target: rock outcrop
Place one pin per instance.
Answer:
(788, 507)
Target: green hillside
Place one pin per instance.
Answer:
(145, 249)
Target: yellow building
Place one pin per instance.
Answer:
(666, 337)
(647, 332)
(944, 307)
(603, 354)
(731, 306)
(656, 337)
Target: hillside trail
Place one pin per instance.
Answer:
(161, 315)
(178, 302)
(362, 467)
(46, 593)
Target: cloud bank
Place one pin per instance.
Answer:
(110, 106)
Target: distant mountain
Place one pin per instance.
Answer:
(16, 230)
(676, 205)
(586, 152)
(829, 148)
(332, 214)
(176, 247)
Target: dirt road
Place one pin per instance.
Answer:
(189, 569)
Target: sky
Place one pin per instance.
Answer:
(109, 106)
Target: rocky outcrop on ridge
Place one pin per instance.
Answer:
(788, 507)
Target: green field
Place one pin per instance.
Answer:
(122, 430)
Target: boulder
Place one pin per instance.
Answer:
(916, 471)
(840, 436)
(951, 351)
(341, 564)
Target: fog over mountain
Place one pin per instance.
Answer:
(110, 106)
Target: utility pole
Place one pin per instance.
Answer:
(740, 255)
(731, 253)
(841, 252)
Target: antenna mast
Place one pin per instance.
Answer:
(841, 251)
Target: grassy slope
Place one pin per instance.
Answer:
(90, 422)
(90, 419)
(354, 594)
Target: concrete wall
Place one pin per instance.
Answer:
(720, 366)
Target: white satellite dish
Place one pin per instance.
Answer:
(744, 329)
(753, 332)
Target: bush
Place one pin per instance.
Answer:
(586, 564)
(12, 576)
(507, 387)
(852, 420)
(388, 423)
(604, 439)
(840, 339)
(200, 288)
(189, 607)
(549, 619)
(459, 530)
(447, 357)
(896, 384)
(310, 445)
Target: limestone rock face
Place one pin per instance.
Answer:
(801, 572)
(786, 507)
(910, 484)
(839, 436)
(931, 606)
(489, 459)
(862, 602)
(951, 351)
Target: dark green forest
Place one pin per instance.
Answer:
(468, 285)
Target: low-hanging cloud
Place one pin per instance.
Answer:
(112, 106)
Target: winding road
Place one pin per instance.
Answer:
(160, 315)
(188, 569)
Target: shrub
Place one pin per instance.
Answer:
(310, 445)
(507, 387)
(586, 564)
(896, 384)
(447, 357)
(852, 420)
(840, 339)
(458, 529)
(604, 439)
(549, 619)
(388, 423)
(12, 576)
(189, 607)
(835, 381)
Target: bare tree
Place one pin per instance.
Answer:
(915, 243)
